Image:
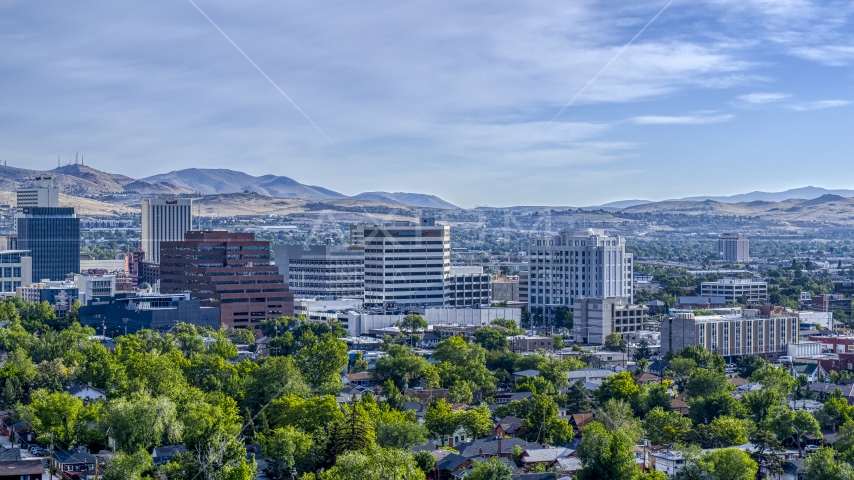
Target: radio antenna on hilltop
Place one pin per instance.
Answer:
(57, 161)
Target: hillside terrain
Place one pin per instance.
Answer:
(80, 180)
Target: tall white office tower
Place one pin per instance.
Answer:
(43, 193)
(165, 218)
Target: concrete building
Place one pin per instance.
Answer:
(576, 264)
(133, 312)
(60, 295)
(524, 287)
(468, 287)
(324, 309)
(831, 303)
(43, 193)
(358, 323)
(93, 286)
(763, 331)
(596, 318)
(231, 271)
(734, 248)
(736, 290)
(323, 271)
(504, 288)
(16, 269)
(164, 218)
(52, 235)
(406, 265)
(527, 343)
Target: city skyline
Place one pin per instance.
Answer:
(448, 99)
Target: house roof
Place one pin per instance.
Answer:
(21, 467)
(81, 387)
(830, 388)
(451, 462)
(647, 378)
(580, 419)
(10, 454)
(534, 476)
(805, 368)
(510, 424)
(361, 376)
(738, 381)
(73, 457)
(569, 464)
(540, 455)
(677, 403)
(489, 446)
(527, 373)
(168, 451)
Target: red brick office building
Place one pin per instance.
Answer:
(231, 271)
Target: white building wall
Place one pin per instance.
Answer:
(164, 218)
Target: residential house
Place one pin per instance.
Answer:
(73, 463)
(165, 454)
(678, 404)
(87, 393)
(579, 420)
(508, 426)
(507, 397)
(547, 457)
(647, 378)
(22, 470)
(667, 462)
(452, 463)
(361, 379)
(494, 446)
(825, 389)
(523, 374)
(568, 466)
(813, 371)
(591, 375)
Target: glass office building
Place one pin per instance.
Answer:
(52, 235)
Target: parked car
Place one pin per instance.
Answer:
(785, 359)
(40, 452)
(811, 448)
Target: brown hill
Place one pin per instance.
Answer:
(80, 180)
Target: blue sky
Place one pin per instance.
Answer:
(452, 98)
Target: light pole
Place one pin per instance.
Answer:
(125, 321)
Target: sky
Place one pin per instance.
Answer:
(478, 102)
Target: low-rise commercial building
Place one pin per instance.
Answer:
(528, 343)
(504, 288)
(763, 331)
(16, 269)
(128, 313)
(92, 286)
(60, 294)
(596, 318)
(736, 290)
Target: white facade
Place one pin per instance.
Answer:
(95, 286)
(405, 264)
(319, 271)
(468, 286)
(42, 194)
(736, 289)
(16, 269)
(748, 333)
(165, 218)
(575, 264)
(358, 323)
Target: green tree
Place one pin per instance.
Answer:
(412, 323)
(705, 383)
(730, 464)
(665, 428)
(276, 376)
(355, 432)
(142, 423)
(491, 338)
(477, 422)
(822, 465)
(399, 430)
(576, 399)
(620, 387)
(642, 351)
(128, 466)
(617, 415)
(492, 469)
(374, 464)
(543, 423)
(54, 413)
(615, 342)
(402, 367)
(728, 431)
(704, 410)
(605, 455)
(460, 393)
(306, 413)
(747, 364)
(440, 420)
(283, 449)
(322, 361)
(359, 364)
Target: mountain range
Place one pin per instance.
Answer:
(79, 180)
(806, 193)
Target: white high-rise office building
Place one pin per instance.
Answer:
(405, 264)
(43, 193)
(574, 264)
(165, 218)
(734, 247)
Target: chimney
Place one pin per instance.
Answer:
(480, 452)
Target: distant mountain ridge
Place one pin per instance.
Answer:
(806, 193)
(410, 199)
(221, 181)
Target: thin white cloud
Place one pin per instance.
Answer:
(819, 105)
(762, 98)
(682, 120)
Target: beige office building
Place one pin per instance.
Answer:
(165, 218)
